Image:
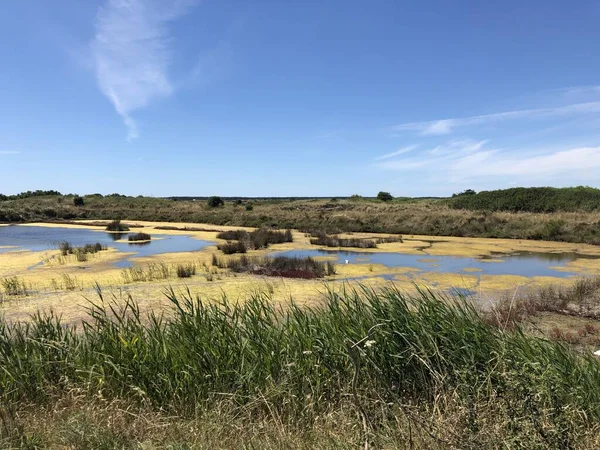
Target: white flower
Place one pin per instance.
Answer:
(307, 352)
(597, 353)
(370, 343)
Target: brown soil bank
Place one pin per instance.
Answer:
(404, 216)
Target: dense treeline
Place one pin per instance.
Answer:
(28, 194)
(535, 199)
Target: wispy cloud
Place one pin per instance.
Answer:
(9, 152)
(131, 52)
(446, 126)
(569, 161)
(474, 162)
(398, 152)
(439, 154)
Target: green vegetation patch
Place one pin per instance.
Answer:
(239, 241)
(534, 199)
(278, 266)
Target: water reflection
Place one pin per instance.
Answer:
(139, 243)
(117, 236)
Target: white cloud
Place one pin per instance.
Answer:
(476, 163)
(571, 161)
(398, 152)
(9, 152)
(446, 126)
(464, 146)
(436, 155)
(131, 51)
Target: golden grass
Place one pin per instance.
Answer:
(46, 280)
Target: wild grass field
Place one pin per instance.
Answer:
(569, 214)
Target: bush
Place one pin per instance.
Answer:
(116, 225)
(186, 270)
(66, 248)
(137, 237)
(465, 192)
(231, 247)
(279, 266)
(215, 202)
(253, 240)
(249, 207)
(78, 201)
(384, 196)
(321, 238)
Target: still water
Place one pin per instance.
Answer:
(524, 264)
(46, 238)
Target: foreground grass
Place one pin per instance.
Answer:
(364, 368)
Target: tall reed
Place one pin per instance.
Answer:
(371, 350)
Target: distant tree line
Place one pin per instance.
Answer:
(27, 194)
(534, 199)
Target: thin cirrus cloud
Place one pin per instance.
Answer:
(447, 126)
(398, 152)
(474, 162)
(9, 152)
(582, 161)
(438, 154)
(131, 52)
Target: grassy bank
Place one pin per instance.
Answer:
(383, 368)
(437, 217)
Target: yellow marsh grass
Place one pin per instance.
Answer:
(99, 269)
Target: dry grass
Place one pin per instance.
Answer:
(427, 217)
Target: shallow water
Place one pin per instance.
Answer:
(45, 238)
(527, 264)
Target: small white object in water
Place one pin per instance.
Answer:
(597, 353)
(346, 261)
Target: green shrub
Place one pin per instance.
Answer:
(384, 196)
(215, 202)
(279, 266)
(78, 201)
(231, 247)
(136, 237)
(116, 225)
(66, 248)
(253, 240)
(465, 192)
(534, 199)
(249, 207)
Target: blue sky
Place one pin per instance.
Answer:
(278, 98)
